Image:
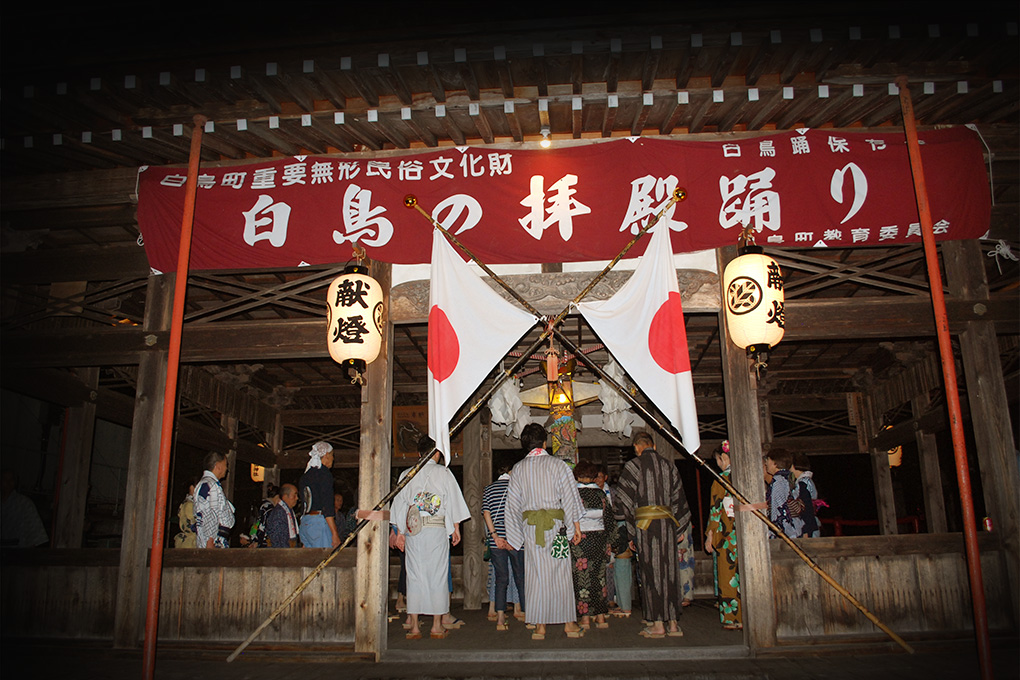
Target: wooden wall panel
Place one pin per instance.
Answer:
(913, 584)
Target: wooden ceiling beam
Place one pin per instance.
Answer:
(396, 82)
(314, 417)
(576, 67)
(297, 133)
(273, 139)
(825, 113)
(329, 88)
(329, 131)
(422, 133)
(477, 114)
(538, 60)
(651, 64)
(467, 77)
(357, 84)
(432, 77)
(768, 103)
(613, 68)
(512, 119)
(252, 84)
(298, 90)
(386, 130)
(454, 130)
(355, 131)
(886, 317)
(699, 112)
(642, 114)
(759, 61)
(672, 117)
(724, 65)
(609, 117)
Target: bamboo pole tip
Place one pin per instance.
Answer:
(680, 194)
(410, 201)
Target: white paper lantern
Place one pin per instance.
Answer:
(356, 316)
(753, 296)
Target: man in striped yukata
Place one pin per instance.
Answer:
(654, 506)
(542, 501)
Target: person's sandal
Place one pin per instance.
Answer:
(502, 626)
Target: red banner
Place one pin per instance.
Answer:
(577, 203)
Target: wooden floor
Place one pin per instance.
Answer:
(66, 661)
(703, 636)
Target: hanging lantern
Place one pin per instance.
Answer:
(355, 315)
(560, 392)
(258, 473)
(753, 295)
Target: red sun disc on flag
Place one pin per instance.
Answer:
(667, 337)
(443, 347)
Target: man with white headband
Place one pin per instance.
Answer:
(318, 528)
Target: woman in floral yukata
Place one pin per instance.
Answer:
(721, 542)
(591, 555)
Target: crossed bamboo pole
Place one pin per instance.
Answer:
(412, 202)
(667, 431)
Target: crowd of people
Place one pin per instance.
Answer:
(309, 514)
(564, 547)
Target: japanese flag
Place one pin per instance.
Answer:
(642, 325)
(471, 328)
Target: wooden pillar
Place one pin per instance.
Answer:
(477, 474)
(755, 561)
(931, 474)
(765, 416)
(229, 424)
(140, 501)
(885, 499)
(276, 441)
(989, 409)
(372, 582)
(76, 460)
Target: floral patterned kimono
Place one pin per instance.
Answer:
(724, 554)
(591, 555)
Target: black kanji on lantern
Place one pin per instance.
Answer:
(777, 314)
(775, 276)
(349, 293)
(350, 330)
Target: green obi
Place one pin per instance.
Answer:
(543, 520)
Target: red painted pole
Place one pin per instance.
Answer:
(977, 589)
(169, 400)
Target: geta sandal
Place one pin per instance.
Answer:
(646, 633)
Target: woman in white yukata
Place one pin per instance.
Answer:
(441, 508)
(543, 503)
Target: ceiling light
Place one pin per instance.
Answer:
(546, 142)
